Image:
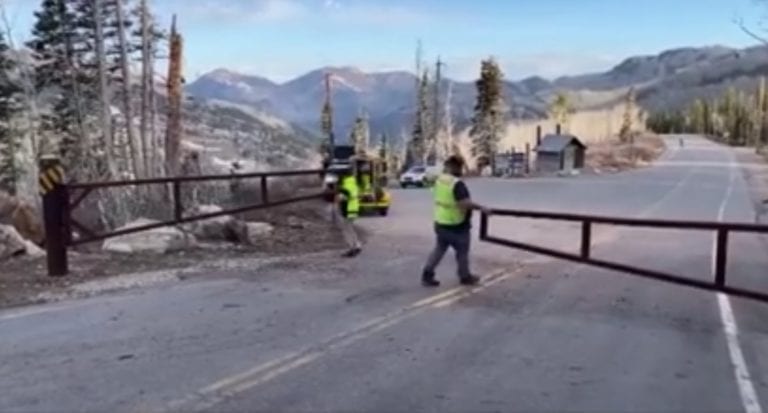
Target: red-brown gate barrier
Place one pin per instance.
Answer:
(721, 229)
(61, 199)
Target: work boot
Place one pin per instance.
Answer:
(470, 280)
(354, 252)
(428, 280)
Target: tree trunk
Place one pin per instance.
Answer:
(158, 155)
(106, 113)
(149, 147)
(136, 155)
(173, 132)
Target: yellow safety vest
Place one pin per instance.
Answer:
(349, 184)
(447, 211)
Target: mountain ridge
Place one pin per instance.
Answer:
(663, 80)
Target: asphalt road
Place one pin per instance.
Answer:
(321, 334)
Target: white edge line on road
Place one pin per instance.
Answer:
(747, 391)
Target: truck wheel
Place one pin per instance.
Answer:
(383, 211)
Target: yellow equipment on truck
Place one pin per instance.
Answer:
(370, 173)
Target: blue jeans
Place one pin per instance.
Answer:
(460, 242)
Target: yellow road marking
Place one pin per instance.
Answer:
(217, 392)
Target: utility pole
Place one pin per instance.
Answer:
(173, 132)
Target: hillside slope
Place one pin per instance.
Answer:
(666, 80)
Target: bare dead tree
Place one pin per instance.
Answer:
(447, 144)
(173, 132)
(753, 30)
(749, 31)
(146, 89)
(136, 154)
(104, 90)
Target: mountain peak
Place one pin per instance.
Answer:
(224, 74)
(341, 70)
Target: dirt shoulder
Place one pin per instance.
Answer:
(615, 156)
(299, 229)
(755, 169)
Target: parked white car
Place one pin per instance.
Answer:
(418, 176)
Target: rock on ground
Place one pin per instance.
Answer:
(23, 216)
(222, 228)
(159, 240)
(13, 244)
(253, 233)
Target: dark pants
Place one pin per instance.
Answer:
(459, 241)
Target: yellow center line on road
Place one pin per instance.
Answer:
(228, 387)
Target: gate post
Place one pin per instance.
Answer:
(527, 158)
(55, 214)
(586, 239)
(264, 190)
(721, 257)
(483, 226)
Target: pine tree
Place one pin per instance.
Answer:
(488, 117)
(53, 44)
(560, 109)
(625, 134)
(108, 26)
(697, 117)
(742, 125)
(761, 114)
(10, 169)
(707, 118)
(727, 109)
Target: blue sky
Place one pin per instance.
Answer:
(281, 39)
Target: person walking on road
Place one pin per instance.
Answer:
(453, 207)
(348, 209)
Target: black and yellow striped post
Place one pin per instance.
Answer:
(55, 211)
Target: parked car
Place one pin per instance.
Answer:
(418, 176)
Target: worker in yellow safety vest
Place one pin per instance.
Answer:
(453, 207)
(348, 200)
